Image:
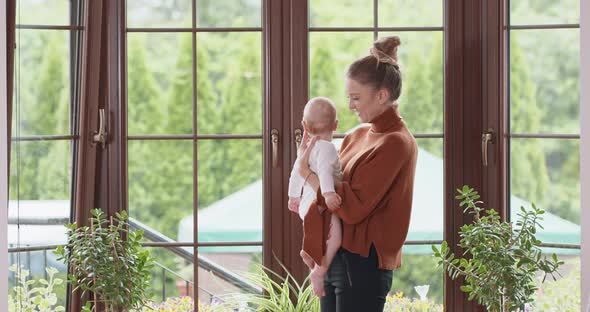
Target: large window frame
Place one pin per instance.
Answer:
(585, 149)
(76, 32)
(195, 138)
(476, 43)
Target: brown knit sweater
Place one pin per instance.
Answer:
(378, 164)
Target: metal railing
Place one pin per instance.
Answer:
(149, 234)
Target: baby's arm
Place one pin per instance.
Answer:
(333, 200)
(295, 186)
(327, 160)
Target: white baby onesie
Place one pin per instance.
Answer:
(324, 162)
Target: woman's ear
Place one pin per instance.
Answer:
(382, 96)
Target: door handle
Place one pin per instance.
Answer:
(100, 137)
(298, 138)
(487, 138)
(274, 138)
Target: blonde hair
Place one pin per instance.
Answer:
(380, 69)
(319, 115)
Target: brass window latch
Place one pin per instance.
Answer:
(100, 137)
(487, 138)
(274, 138)
(298, 138)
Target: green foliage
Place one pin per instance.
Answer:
(417, 270)
(43, 109)
(26, 297)
(114, 268)
(561, 295)
(278, 292)
(399, 303)
(501, 259)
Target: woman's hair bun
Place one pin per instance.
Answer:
(387, 46)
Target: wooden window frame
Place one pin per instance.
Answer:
(475, 95)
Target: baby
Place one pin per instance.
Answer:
(319, 119)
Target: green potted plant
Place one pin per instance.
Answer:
(34, 295)
(279, 293)
(106, 259)
(500, 259)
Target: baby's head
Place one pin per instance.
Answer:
(319, 116)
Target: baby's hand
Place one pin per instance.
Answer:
(294, 204)
(333, 200)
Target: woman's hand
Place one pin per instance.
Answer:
(293, 204)
(303, 153)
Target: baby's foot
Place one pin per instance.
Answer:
(317, 280)
(307, 259)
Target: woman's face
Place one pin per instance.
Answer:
(364, 100)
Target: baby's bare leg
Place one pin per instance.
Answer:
(334, 241)
(332, 245)
(307, 259)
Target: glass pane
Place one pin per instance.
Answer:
(544, 12)
(565, 291)
(172, 275)
(230, 191)
(546, 172)
(40, 170)
(159, 83)
(330, 55)
(234, 260)
(410, 13)
(229, 13)
(421, 101)
(229, 83)
(34, 266)
(419, 269)
(161, 184)
(544, 81)
(43, 12)
(160, 13)
(38, 222)
(42, 83)
(427, 218)
(345, 13)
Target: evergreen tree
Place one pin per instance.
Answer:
(43, 173)
(530, 179)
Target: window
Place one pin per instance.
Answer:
(194, 124)
(544, 132)
(343, 31)
(204, 98)
(44, 137)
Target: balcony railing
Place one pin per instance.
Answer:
(153, 236)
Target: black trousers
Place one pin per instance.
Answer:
(355, 283)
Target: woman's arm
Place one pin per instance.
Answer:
(373, 178)
(312, 179)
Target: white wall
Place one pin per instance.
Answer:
(585, 149)
(3, 167)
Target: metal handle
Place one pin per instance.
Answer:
(486, 139)
(274, 137)
(298, 137)
(101, 136)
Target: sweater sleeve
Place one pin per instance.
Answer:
(372, 178)
(295, 181)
